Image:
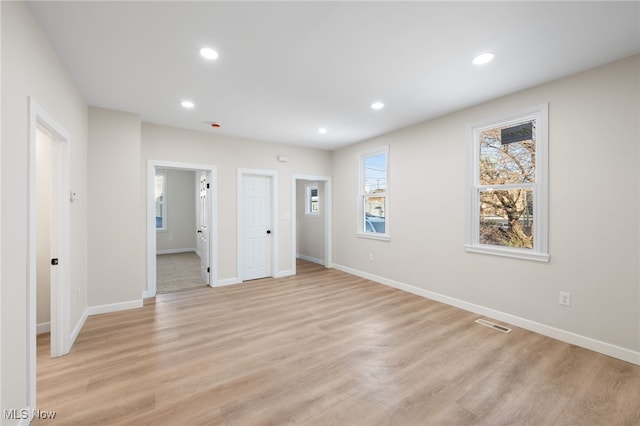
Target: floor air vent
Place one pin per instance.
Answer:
(492, 325)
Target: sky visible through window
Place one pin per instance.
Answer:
(375, 174)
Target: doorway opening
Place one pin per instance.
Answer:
(181, 227)
(49, 236)
(311, 220)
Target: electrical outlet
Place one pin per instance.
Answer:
(370, 257)
(565, 298)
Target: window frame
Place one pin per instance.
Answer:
(163, 202)
(308, 201)
(362, 195)
(540, 250)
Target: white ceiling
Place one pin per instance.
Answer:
(287, 68)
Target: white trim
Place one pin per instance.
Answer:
(176, 251)
(275, 220)
(61, 241)
(373, 236)
(114, 307)
(327, 214)
(227, 281)
(540, 250)
(310, 259)
(546, 330)
(360, 230)
(524, 254)
(283, 274)
(211, 170)
(43, 327)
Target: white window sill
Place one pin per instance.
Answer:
(373, 236)
(508, 252)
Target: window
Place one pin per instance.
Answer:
(161, 201)
(312, 204)
(507, 187)
(374, 194)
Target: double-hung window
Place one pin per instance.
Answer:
(161, 201)
(374, 194)
(312, 201)
(507, 189)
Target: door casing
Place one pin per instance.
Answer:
(211, 171)
(327, 215)
(61, 339)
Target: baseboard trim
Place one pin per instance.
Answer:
(113, 307)
(43, 327)
(546, 330)
(310, 259)
(174, 251)
(283, 274)
(227, 281)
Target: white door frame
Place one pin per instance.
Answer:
(327, 215)
(60, 242)
(211, 170)
(273, 175)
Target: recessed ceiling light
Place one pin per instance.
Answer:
(187, 104)
(483, 58)
(208, 53)
(377, 105)
(322, 130)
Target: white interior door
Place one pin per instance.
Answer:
(203, 230)
(257, 220)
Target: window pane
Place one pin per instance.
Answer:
(159, 216)
(159, 188)
(505, 162)
(375, 174)
(374, 220)
(506, 218)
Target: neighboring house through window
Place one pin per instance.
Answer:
(374, 194)
(161, 201)
(507, 187)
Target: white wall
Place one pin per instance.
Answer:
(310, 229)
(162, 143)
(116, 214)
(594, 209)
(181, 212)
(43, 227)
(30, 67)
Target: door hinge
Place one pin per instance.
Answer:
(208, 270)
(54, 261)
(208, 186)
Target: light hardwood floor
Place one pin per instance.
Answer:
(324, 347)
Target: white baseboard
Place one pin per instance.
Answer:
(227, 281)
(43, 327)
(180, 250)
(310, 259)
(546, 330)
(283, 274)
(113, 307)
(146, 294)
